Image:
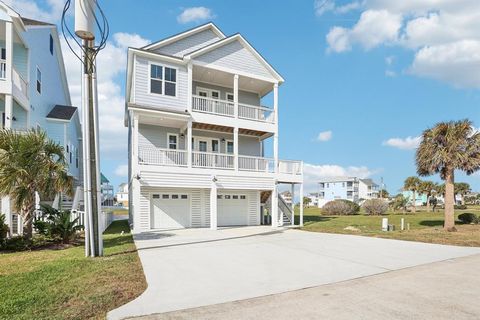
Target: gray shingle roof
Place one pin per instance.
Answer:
(62, 112)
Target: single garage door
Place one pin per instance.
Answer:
(170, 211)
(232, 210)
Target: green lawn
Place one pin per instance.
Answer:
(424, 226)
(63, 284)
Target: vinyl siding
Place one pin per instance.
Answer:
(150, 136)
(142, 85)
(20, 58)
(189, 44)
(243, 96)
(19, 113)
(234, 56)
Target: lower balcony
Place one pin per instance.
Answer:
(212, 160)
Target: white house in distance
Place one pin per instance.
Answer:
(196, 134)
(347, 188)
(122, 195)
(34, 91)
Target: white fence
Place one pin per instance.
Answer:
(214, 106)
(258, 113)
(163, 157)
(256, 164)
(212, 160)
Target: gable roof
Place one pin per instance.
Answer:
(60, 112)
(236, 37)
(32, 22)
(207, 26)
(103, 179)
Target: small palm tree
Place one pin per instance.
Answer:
(427, 188)
(447, 147)
(462, 188)
(30, 162)
(412, 184)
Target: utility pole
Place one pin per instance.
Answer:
(84, 29)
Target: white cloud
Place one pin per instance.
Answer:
(195, 14)
(122, 170)
(374, 27)
(323, 6)
(408, 143)
(313, 173)
(443, 35)
(390, 73)
(30, 9)
(111, 63)
(325, 136)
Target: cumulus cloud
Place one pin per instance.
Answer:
(313, 173)
(325, 136)
(30, 9)
(443, 35)
(122, 170)
(323, 6)
(195, 14)
(408, 143)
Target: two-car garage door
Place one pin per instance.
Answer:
(173, 210)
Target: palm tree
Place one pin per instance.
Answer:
(30, 162)
(462, 188)
(412, 184)
(447, 147)
(427, 188)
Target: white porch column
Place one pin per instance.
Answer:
(293, 204)
(213, 205)
(8, 51)
(275, 137)
(301, 205)
(235, 148)
(274, 212)
(8, 111)
(7, 210)
(135, 149)
(235, 95)
(189, 144)
(190, 86)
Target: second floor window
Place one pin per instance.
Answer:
(39, 81)
(172, 141)
(51, 45)
(163, 80)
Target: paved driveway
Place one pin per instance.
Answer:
(198, 267)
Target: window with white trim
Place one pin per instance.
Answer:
(215, 146)
(163, 80)
(172, 141)
(229, 146)
(230, 97)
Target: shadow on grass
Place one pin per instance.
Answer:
(431, 223)
(314, 218)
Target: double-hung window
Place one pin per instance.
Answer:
(163, 80)
(172, 141)
(39, 81)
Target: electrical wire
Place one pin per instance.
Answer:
(103, 28)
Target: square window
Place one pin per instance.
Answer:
(174, 196)
(235, 197)
(243, 197)
(230, 97)
(227, 196)
(170, 74)
(165, 196)
(170, 89)
(219, 196)
(215, 95)
(156, 196)
(156, 72)
(184, 196)
(156, 86)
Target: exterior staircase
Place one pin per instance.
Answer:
(283, 208)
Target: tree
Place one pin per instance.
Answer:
(427, 188)
(383, 193)
(462, 188)
(412, 184)
(306, 201)
(30, 162)
(400, 202)
(447, 147)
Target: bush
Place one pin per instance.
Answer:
(375, 206)
(19, 243)
(3, 229)
(469, 218)
(461, 207)
(340, 207)
(58, 225)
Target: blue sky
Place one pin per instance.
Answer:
(363, 78)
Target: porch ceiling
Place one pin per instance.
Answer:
(225, 79)
(218, 128)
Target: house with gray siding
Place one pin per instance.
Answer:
(34, 91)
(198, 135)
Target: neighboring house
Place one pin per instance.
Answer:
(122, 195)
(421, 199)
(197, 132)
(314, 199)
(287, 197)
(347, 188)
(106, 189)
(34, 91)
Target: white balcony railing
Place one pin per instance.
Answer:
(290, 167)
(258, 113)
(212, 160)
(162, 157)
(214, 106)
(3, 69)
(256, 164)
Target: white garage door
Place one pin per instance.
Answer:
(232, 210)
(170, 211)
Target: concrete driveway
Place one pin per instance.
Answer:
(199, 267)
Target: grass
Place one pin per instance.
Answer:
(63, 284)
(119, 211)
(424, 226)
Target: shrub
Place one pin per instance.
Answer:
(58, 225)
(375, 206)
(19, 243)
(461, 207)
(340, 207)
(3, 229)
(468, 218)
